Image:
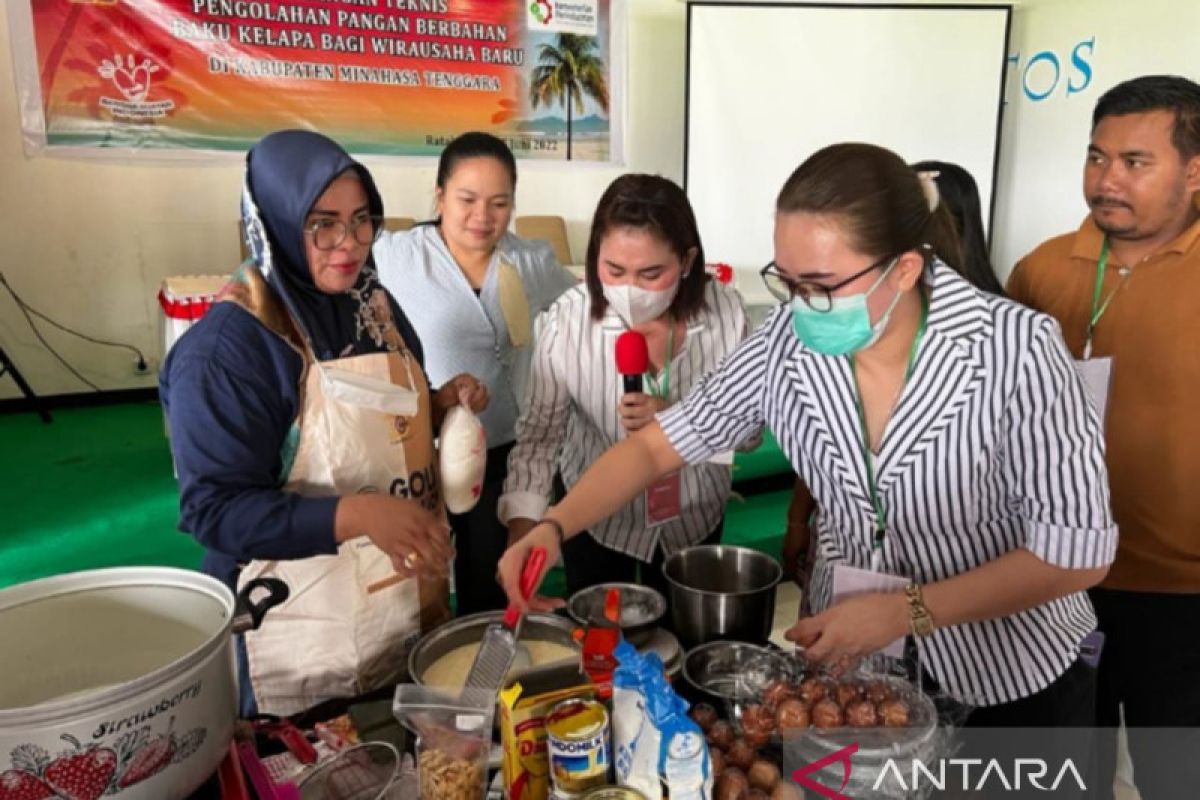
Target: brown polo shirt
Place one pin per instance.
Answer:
(1152, 431)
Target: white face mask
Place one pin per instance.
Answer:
(636, 305)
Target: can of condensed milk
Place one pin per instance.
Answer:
(612, 793)
(577, 734)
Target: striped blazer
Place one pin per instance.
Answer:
(571, 418)
(993, 446)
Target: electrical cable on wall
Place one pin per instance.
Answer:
(31, 312)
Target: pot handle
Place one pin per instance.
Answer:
(248, 614)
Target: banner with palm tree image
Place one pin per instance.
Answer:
(389, 77)
(569, 71)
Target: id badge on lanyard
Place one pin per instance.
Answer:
(849, 581)
(664, 497)
(881, 521)
(1097, 372)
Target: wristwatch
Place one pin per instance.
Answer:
(919, 618)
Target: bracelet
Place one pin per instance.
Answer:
(919, 619)
(558, 529)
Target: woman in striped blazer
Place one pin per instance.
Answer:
(943, 432)
(645, 273)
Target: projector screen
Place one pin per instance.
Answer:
(769, 84)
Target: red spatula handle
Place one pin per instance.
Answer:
(530, 574)
(612, 606)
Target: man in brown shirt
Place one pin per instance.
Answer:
(1141, 308)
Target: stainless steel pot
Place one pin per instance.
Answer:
(722, 592)
(120, 682)
(469, 630)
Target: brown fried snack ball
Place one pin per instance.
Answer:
(763, 775)
(757, 794)
(847, 692)
(720, 734)
(703, 715)
(758, 719)
(757, 740)
(878, 692)
(787, 791)
(862, 714)
(776, 692)
(733, 785)
(793, 714)
(718, 761)
(740, 754)
(813, 690)
(828, 714)
(893, 713)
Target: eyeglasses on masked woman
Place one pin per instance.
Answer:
(816, 296)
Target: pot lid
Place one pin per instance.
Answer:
(664, 643)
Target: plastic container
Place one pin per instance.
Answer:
(454, 738)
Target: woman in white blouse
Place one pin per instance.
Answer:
(943, 432)
(471, 289)
(645, 273)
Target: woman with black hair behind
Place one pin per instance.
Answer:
(645, 273)
(960, 195)
(471, 290)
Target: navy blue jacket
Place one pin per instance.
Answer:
(230, 388)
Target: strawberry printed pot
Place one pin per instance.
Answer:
(119, 682)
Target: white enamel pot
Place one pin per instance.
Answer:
(120, 682)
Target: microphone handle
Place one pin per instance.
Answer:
(633, 384)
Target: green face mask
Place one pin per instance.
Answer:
(846, 327)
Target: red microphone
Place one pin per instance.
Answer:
(633, 359)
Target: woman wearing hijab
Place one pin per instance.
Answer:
(302, 430)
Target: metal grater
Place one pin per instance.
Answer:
(498, 646)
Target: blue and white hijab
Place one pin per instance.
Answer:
(286, 173)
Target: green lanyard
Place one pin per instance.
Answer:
(663, 388)
(1098, 309)
(876, 500)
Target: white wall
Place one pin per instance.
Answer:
(771, 84)
(89, 243)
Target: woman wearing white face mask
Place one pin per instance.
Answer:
(645, 273)
(943, 431)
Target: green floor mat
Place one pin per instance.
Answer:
(758, 522)
(95, 489)
(764, 461)
(92, 489)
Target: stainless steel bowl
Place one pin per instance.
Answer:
(469, 630)
(722, 592)
(641, 609)
(735, 672)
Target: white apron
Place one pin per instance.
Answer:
(365, 426)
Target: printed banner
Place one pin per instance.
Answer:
(394, 77)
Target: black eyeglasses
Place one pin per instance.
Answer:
(328, 232)
(816, 296)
